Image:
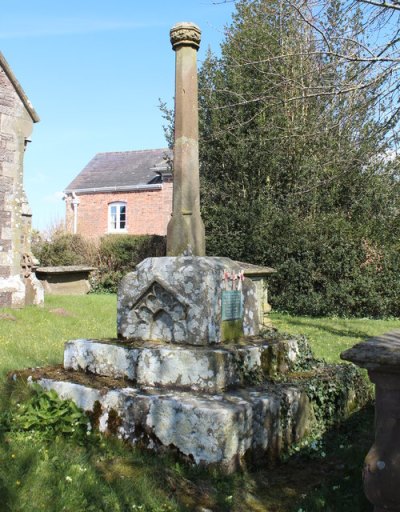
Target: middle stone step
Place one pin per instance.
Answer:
(205, 369)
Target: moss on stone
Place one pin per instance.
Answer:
(231, 330)
(114, 421)
(95, 414)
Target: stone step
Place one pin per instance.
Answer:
(221, 429)
(206, 369)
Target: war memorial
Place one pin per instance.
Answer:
(194, 368)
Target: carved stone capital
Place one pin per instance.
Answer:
(185, 34)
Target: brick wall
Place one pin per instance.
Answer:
(148, 212)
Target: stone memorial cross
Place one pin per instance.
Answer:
(182, 298)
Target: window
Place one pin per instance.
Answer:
(117, 217)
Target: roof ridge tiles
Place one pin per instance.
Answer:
(132, 151)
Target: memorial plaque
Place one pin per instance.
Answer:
(232, 305)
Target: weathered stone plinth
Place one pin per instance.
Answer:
(381, 475)
(205, 369)
(17, 291)
(206, 429)
(225, 405)
(179, 300)
(259, 274)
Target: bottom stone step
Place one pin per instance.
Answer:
(222, 429)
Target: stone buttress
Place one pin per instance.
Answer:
(18, 284)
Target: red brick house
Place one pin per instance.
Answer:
(123, 192)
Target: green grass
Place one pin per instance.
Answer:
(330, 336)
(105, 475)
(35, 336)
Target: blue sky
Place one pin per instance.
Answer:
(94, 71)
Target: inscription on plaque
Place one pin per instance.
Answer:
(232, 305)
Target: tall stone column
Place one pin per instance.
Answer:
(185, 232)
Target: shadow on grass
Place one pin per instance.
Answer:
(327, 478)
(312, 323)
(5, 494)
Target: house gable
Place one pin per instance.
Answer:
(139, 182)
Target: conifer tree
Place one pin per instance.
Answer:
(295, 175)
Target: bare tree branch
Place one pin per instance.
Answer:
(382, 5)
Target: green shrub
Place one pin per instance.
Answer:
(45, 412)
(119, 254)
(327, 265)
(330, 268)
(123, 252)
(113, 255)
(62, 249)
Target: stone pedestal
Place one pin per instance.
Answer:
(220, 405)
(198, 369)
(205, 429)
(259, 274)
(381, 474)
(18, 291)
(187, 300)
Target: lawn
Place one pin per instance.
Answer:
(55, 473)
(330, 336)
(35, 336)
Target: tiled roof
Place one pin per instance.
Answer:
(122, 169)
(17, 86)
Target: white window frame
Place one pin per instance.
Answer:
(115, 217)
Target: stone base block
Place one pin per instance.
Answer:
(34, 291)
(206, 369)
(12, 291)
(17, 292)
(225, 430)
(184, 300)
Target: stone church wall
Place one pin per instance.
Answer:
(16, 125)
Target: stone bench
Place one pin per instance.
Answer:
(65, 280)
